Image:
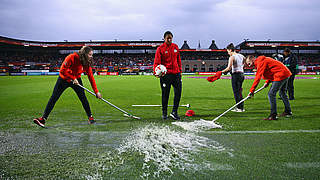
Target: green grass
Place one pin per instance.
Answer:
(70, 148)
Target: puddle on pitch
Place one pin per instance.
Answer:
(40, 142)
(160, 151)
(197, 125)
(152, 151)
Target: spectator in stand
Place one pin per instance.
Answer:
(168, 55)
(70, 76)
(235, 64)
(290, 60)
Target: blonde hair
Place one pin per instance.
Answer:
(83, 53)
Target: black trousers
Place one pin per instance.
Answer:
(62, 85)
(291, 87)
(237, 80)
(165, 83)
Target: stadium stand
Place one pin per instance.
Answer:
(137, 56)
(308, 52)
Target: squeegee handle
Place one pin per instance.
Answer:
(237, 104)
(87, 90)
(103, 100)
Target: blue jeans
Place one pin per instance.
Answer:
(280, 86)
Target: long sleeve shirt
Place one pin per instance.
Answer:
(269, 69)
(291, 63)
(169, 56)
(72, 69)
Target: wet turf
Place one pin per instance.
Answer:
(72, 149)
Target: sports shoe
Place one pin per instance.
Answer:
(234, 109)
(91, 120)
(175, 115)
(237, 110)
(286, 114)
(164, 117)
(40, 121)
(271, 117)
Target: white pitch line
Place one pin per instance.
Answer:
(303, 165)
(263, 132)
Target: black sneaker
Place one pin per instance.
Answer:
(286, 114)
(175, 116)
(91, 120)
(271, 117)
(40, 121)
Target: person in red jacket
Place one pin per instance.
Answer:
(168, 55)
(70, 76)
(277, 73)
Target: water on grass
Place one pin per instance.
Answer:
(160, 151)
(197, 125)
(152, 151)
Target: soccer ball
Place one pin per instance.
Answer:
(160, 70)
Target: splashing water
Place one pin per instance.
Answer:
(198, 125)
(163, 152)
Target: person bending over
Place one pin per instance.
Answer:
(275, 72)
(70, 76)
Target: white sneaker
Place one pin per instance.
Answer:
(234, 110)
(237, 110)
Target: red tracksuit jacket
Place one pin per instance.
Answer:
(72, 69)
(169, 56)
(269, 69)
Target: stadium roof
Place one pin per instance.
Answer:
(115, 43)
(279, 44)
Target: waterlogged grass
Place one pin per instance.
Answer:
(23, 98)
(118, 147)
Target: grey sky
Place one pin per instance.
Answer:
(192, 20)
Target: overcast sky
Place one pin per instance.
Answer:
(221, 20)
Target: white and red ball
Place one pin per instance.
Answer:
(160, 70)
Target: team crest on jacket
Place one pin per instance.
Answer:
(175, 50)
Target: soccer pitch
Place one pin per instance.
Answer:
(118, 147)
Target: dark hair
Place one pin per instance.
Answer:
(287, 50)
(167, 33)
(83, 53)
(251, 56)
(231, 47)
